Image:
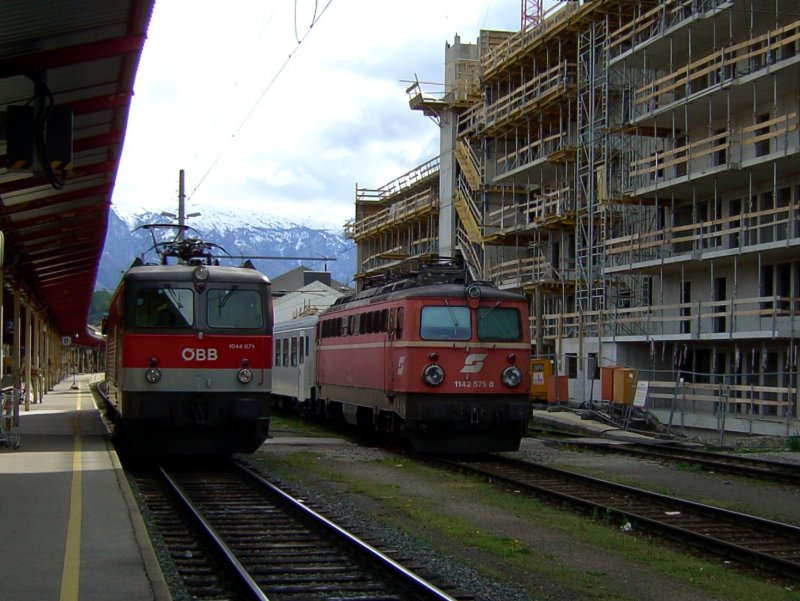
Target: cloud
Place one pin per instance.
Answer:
(225, 92)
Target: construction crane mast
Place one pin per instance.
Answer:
(531, 14)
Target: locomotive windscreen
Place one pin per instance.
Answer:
(453, 323)
(234, 308)
(445, 323)
(164, 307)
(499, 324)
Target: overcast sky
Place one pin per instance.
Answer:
(256, 120)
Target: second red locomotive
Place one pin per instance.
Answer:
(440, 361)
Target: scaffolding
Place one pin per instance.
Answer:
(634, 168)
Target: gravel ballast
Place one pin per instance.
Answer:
(333, 481)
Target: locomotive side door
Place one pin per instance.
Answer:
(393, 359)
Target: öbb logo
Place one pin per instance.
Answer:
(199, 354)
(473, 363)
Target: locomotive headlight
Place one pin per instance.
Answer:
(433, 375)
(512, 376)
(245, 375)
(152, 375)
(201, 273)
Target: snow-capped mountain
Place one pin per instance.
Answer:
(239, 234)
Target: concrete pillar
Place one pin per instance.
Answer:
(26, 360)
(37, 362)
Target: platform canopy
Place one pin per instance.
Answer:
(67, 69)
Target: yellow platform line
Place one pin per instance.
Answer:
(70, 578)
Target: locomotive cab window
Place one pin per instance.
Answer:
(165, 307)
(234, 308)
(445, 323)
(499, 323)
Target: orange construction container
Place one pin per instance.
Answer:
(607, 383)
(557, 389)
(541, 369)
(624, 385)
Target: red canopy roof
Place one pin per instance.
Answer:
(66, 56)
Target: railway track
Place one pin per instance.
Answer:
(750, 467)
(274, 547)
(757, 543)
(191, 560)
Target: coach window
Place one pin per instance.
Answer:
(234, 308)
(285, 352)
(277, 353)
(445, 323)
(165, 307)
(301, 352)
(294, 351)
(499, 323)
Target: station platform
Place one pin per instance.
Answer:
(69, 525)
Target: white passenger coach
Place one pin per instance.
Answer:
(293, 375)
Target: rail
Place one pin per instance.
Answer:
(731, 147)
(749, 228)
(554, 148)
(467, 209)
(399, 184)
(524, 271)
(544, 88)
(246, 518)
(737, 400)
(400, 211)
(764, 317)
(540, 208)
(718, 68)
(467, 247)
(469, 164)
(749, 467)
(516, 46)
(656, 21)
(750, 540)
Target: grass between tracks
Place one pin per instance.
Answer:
(429, 518)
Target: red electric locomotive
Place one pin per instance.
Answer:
(189, 354)
(437, 359)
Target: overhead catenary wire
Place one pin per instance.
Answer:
(272, 81)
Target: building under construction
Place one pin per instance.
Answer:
(634, 168)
